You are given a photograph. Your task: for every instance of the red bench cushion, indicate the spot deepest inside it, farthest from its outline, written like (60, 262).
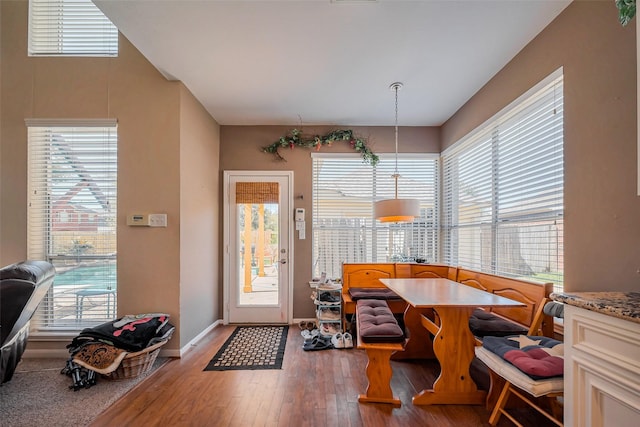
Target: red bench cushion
(538, 357)
(376, 322)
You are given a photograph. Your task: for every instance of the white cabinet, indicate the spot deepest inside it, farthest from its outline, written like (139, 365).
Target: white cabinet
(602, 370)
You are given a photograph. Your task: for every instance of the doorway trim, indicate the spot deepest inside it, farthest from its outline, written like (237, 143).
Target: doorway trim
(226, 256)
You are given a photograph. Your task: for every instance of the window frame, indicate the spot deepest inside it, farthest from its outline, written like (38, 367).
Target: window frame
(376, 241)
(495, 218)
(60, 28)
(95, 185)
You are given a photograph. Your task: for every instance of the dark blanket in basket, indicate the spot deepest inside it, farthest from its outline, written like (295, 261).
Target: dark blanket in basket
(130, 333)
(103, 347)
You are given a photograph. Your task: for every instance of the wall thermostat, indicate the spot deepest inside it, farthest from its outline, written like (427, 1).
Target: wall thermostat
(147, 220)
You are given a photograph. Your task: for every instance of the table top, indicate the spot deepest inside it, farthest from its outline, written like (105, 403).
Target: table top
(426, 293)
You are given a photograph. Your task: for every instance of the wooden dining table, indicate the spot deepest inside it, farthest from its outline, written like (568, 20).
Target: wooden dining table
(442, 307)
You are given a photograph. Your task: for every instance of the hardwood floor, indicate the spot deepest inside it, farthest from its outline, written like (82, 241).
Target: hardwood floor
(312, 389)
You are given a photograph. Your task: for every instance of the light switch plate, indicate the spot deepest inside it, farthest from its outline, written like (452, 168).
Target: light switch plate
(157, 220)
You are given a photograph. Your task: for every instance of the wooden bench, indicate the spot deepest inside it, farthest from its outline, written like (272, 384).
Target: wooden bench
(532, 294)
(368, 275)
(372, 315)
(530, 317)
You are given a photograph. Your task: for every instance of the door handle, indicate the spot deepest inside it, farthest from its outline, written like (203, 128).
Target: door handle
(283, 261)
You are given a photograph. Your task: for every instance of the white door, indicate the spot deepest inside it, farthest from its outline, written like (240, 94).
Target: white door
(257, 238)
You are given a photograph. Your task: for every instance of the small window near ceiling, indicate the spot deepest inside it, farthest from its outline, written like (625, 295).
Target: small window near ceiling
(70, 28)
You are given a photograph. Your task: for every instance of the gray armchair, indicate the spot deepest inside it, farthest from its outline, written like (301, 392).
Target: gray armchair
(22, 287)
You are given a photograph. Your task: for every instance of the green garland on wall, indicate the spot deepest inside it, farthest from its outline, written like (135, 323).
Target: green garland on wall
(296, 139)
(626, 11)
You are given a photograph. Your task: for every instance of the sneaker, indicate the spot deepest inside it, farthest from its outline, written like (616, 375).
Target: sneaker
(329, 329)
(328, 313)
(307, 334)
(329, 299)
(317, 343)
(329, 286)
(348, 340)
(337, 340)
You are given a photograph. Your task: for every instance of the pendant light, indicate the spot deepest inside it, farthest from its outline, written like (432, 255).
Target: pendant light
(396, 210)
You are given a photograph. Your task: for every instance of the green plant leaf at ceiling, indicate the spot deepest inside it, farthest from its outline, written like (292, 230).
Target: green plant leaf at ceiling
(626, 10)
(295, 138)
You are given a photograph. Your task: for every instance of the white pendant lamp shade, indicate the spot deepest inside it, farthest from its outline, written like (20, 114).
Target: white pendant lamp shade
(396, 210)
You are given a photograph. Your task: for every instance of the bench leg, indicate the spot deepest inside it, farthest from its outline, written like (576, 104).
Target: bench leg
(379, 375)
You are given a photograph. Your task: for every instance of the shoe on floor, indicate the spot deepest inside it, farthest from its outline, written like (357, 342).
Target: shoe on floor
(337, 340)
(317, 343)
(307, 334)
(348, 340)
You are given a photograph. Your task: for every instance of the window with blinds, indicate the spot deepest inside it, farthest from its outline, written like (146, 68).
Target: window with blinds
(503, 209)
(344, 228)
(70, 28)
(72, 169)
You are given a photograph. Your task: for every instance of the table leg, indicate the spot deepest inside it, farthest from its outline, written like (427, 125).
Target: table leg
(419, 344)
(453, 345)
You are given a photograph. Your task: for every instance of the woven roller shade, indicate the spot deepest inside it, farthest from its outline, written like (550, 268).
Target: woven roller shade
(257, 192)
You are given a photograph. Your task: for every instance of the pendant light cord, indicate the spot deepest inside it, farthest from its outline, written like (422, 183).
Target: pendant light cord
(396, 86)
(396, 89)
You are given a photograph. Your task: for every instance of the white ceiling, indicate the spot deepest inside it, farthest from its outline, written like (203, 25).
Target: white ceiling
(331, 61)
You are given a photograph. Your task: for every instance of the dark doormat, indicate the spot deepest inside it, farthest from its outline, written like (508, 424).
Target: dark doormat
(251, 347)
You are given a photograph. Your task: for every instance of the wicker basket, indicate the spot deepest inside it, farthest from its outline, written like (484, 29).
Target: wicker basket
(137, 363)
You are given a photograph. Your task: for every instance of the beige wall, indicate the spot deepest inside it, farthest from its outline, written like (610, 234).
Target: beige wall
(158, 122)
(168, 158)
(199, 220)
(602, 210)
(240, 149)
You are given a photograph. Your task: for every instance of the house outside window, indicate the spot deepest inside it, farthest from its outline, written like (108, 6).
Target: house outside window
(72, 206)
(70, 28)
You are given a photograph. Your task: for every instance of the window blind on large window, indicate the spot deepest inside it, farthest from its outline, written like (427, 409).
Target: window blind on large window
(503, 185)
(344, 228)
(72, 219)
(70, 28)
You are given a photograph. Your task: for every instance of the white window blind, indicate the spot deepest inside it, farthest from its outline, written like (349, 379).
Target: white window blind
(503, 193)
(72, 219)
(344, 229)
(70, 28)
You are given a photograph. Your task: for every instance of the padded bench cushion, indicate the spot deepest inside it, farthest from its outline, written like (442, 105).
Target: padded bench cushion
(538, 357)
(483, 323)
(377, 323)
(372, 293)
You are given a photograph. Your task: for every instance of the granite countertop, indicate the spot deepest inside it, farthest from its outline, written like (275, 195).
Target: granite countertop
(625, 305)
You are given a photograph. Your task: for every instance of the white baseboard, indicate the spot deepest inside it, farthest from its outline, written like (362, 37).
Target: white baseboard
(179, 353)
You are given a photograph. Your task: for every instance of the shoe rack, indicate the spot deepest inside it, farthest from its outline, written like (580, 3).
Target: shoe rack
(328, 301)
